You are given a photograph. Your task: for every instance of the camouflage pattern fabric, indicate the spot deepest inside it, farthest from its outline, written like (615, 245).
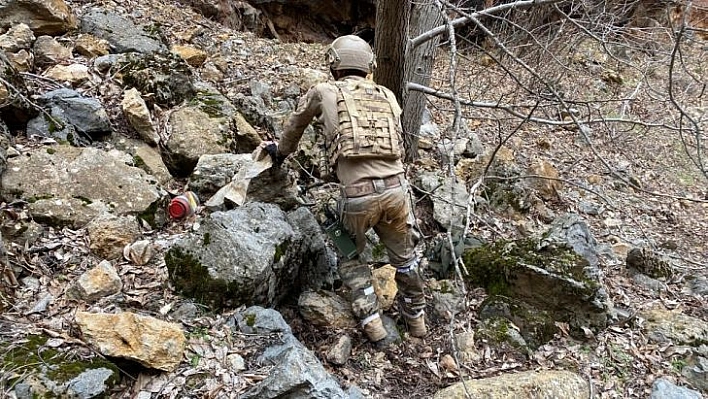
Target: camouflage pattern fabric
(390, 215)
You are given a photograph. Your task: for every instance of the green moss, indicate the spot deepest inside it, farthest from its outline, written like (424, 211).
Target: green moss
(492, 265)
(192, 278)
(51, 150)
(139, 163)
(536, 326)
(250, 319)
(378, 251)
(33, 356)
(210, 103)
(68, 370)
(280, 251)
(206, 239)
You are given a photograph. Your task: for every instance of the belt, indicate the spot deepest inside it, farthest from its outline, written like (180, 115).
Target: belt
(371, 186)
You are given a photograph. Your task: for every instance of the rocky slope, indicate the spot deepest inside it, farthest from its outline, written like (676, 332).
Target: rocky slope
(572, 283)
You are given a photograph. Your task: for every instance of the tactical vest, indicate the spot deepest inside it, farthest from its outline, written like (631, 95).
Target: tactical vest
(368, 125)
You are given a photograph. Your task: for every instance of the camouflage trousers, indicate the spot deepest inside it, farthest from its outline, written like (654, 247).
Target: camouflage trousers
(390, 214)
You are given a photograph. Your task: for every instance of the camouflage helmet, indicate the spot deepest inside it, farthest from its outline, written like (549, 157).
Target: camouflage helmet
(350, 52)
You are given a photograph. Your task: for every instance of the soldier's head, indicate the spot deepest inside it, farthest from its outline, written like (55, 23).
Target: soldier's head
(350, 55)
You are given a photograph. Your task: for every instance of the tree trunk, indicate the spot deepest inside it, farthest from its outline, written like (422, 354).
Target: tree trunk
(418, 68)
(392, 18)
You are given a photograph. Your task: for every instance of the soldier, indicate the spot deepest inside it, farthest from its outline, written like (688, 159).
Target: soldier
(362, 132)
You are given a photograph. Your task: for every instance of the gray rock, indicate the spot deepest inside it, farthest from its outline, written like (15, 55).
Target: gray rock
(259, 320)
(23, 390)
(262, 90)
(214, 171)
(590, 208)
(340, 352)
(536, 326)
(186, 312)
(242, 256)
(355, 393)
(317, 260)
(89, 384)
(88, 174)
(66, 212)
(697, 374)
(665, 389)
(666, 326)
(449, 199)
(555, 273)
(165, 77)
(649, 283)
(570, 230)
(499, 331)
(74, 118)
(428, 128)
(122, 34)
(195, 133)
(298, 375)
(698, 285)
(447, 301)
(105, 63)
(647, 261)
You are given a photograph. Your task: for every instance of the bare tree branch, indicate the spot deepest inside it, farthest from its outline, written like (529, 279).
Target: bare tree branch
(466, 19)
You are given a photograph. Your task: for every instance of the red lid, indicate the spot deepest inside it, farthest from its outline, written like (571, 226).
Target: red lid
(178, 208)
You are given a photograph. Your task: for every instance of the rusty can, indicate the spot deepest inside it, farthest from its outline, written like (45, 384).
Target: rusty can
(183, 205)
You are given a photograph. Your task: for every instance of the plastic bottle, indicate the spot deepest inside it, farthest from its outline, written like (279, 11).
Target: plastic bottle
(183, 205)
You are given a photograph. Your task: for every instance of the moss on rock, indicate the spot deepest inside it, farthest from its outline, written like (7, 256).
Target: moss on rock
(493, 266)
(192, 278)
(33, 357)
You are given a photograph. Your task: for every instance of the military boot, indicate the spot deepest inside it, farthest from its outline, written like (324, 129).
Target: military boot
(416, 326)
(375, 330)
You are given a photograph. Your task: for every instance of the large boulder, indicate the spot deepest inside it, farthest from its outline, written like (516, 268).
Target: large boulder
(242, 256)
(195, 133)
(122, 34)
(86, 174)
(165, 78)
(151, 342)
(528, 384)
(71, 118)
(675, 327)
(556, 274)
(297, 374)
(255, 254)
(44, 17)
(294, 371)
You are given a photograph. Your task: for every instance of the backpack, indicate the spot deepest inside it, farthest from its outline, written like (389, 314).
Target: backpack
(369, 125)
